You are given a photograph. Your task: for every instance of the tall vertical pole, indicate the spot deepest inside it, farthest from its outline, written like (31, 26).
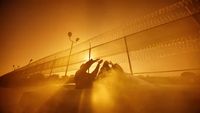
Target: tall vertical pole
(128, 55)
(72, 42)
(69, 58)
(89, 54)
(89, 50)
(52, 67)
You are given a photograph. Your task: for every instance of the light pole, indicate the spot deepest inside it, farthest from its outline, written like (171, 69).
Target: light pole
(72, 42)
(14, 67)
(30, 61)
(28, 65)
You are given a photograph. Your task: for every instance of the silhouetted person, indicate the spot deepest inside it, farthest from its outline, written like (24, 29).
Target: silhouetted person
(106, 66)
(82, 78)
(104, 69)
(117, 68)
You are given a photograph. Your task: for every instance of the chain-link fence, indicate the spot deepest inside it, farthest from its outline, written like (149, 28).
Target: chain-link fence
(167, 40)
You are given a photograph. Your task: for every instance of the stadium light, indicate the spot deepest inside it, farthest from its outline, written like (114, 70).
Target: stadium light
(72, 43)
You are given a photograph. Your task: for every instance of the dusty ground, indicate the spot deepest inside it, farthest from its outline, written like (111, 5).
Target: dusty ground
(112, 95)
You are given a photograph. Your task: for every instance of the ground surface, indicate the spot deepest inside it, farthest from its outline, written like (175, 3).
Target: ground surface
(107, 96)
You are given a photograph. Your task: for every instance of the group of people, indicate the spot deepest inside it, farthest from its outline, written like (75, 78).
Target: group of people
(84, 79)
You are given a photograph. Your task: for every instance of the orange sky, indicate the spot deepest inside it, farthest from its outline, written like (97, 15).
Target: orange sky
(32, 29)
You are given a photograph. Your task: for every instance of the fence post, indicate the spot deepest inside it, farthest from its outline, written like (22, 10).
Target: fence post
(89, 54)
(127, 52)
(52, 67)
(89, 50)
